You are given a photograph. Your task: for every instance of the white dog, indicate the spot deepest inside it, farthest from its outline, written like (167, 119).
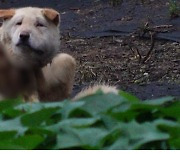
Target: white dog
(30, 39)
(29, 44)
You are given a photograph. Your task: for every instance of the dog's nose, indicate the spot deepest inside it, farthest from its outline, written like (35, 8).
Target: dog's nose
(24, 36)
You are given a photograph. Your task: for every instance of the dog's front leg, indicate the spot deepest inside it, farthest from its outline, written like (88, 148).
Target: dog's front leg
(29, 82)
(57, 78)
(31, 97)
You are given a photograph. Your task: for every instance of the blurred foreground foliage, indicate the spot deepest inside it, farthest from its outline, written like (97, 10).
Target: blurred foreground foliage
(100, 121)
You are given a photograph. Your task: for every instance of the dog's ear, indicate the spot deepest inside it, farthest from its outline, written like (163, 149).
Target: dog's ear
(52, 15)
(6, 14)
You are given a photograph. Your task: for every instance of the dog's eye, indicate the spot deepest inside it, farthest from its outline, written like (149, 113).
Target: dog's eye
(19, 23)
(40, 25)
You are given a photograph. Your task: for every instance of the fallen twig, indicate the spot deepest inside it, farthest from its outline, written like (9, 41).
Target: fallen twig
(141, 32)
(151, 48)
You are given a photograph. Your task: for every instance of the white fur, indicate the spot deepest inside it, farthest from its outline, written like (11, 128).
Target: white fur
(93, 89)
(44, 38)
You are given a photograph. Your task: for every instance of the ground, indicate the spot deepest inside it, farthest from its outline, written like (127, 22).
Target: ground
(105, 60)
(103, 57)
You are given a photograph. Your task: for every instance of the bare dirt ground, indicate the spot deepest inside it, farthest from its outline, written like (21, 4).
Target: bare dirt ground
(106, 60)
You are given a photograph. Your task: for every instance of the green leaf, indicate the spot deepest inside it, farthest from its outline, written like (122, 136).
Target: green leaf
(74, 122)
(172, 111)
(30, 107)
(159, 101)
(128, 97)
(71, 137)
(38, 118)
(27, 142)
(99, 121)
(69, 108)
(99, 103)
(5, 135)
(175, 143)
(10, 145)
(12, 113)
(67, 140)
(12, 125)
(9, 103)
(173, 129)
(136, 135)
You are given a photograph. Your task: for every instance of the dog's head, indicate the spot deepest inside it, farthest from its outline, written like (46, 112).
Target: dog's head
(32, 34)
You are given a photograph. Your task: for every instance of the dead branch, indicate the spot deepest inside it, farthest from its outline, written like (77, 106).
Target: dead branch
(151, 48)
(140, 33)
(136, 52)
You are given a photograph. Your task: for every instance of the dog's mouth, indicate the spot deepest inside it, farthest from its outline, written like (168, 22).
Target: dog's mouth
(29, 47)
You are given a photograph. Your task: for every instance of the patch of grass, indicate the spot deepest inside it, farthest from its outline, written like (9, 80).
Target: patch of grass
(99, 121)
(174, 9)
(116, 2)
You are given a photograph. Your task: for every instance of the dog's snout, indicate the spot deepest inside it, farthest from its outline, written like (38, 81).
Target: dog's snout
(24, 36)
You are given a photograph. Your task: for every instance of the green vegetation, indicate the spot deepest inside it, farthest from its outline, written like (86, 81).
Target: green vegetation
(116, 2)
(95, 122)
(174, 9)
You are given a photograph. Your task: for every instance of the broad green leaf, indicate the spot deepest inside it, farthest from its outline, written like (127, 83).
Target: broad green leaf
(55, 104)
(71, 137)
(30, 107)
(74, 122)
(175, 143)
(10, 145)
(39, 131)
(136, 135)
(12, 113)
(129, 97)
(172, 111)
(9, 103)
(67, 141)
(124, 116)
(99, 103)
(27, 142)
(173, 129)
(159, 101)
(12, 125)
(109, 122)
(120, 144)
(5, 135)
(123, 112)
(38, 118)
(70, 107)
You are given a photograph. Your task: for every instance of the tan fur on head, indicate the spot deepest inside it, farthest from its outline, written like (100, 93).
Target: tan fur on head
(52, 15)
(93, 89)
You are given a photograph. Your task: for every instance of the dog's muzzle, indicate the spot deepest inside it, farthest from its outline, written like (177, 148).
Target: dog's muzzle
(24, 38)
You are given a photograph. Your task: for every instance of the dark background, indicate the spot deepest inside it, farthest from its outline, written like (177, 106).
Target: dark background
(105, 20)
